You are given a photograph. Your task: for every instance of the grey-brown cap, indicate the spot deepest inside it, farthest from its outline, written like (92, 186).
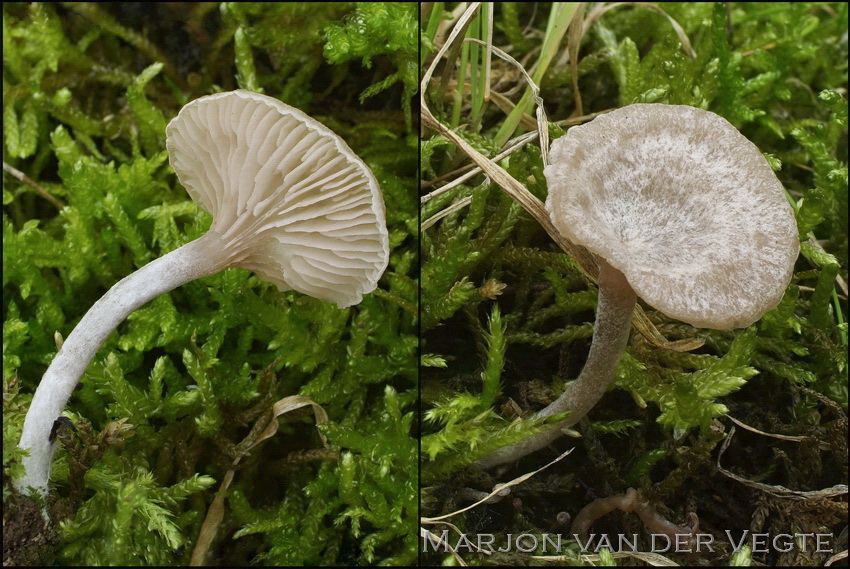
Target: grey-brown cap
(292, 200)
(683, 205)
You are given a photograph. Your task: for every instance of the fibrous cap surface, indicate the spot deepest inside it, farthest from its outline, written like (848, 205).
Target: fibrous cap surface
(683, 204)
(296, 205)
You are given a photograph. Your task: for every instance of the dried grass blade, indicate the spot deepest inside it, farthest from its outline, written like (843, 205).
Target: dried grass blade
(777, 490)
(496, 490)
(683, 37)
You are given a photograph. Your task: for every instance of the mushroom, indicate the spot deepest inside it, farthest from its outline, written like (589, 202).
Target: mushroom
(683, 211)
(289, 200)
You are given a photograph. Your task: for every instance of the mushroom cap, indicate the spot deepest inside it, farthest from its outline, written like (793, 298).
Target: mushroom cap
(683, 205)
(291, 200)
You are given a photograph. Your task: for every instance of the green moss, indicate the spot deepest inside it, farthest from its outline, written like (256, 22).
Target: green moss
(779, 74)
(88, 90)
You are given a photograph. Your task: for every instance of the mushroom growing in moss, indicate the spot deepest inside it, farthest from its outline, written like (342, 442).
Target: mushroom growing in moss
(682, 211)
(289, 200)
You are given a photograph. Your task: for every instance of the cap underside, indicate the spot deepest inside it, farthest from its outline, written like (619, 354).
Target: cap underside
(298, 207)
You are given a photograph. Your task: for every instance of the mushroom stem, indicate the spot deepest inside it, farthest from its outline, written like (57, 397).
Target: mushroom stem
(610, 334)
(204, 256)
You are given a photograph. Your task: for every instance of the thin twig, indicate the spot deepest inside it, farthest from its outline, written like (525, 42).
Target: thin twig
(28, 181)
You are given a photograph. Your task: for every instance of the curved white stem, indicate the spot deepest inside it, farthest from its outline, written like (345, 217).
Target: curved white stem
(204, 256)
(610, 334)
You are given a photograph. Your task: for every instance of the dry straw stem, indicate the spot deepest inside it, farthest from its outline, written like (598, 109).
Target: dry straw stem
(457, 206)
(776, 490)
(520, 193)
(499, 488)
(797, 439)
(602, 7)
(265, 427)
(464, 173)
(438, 541)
